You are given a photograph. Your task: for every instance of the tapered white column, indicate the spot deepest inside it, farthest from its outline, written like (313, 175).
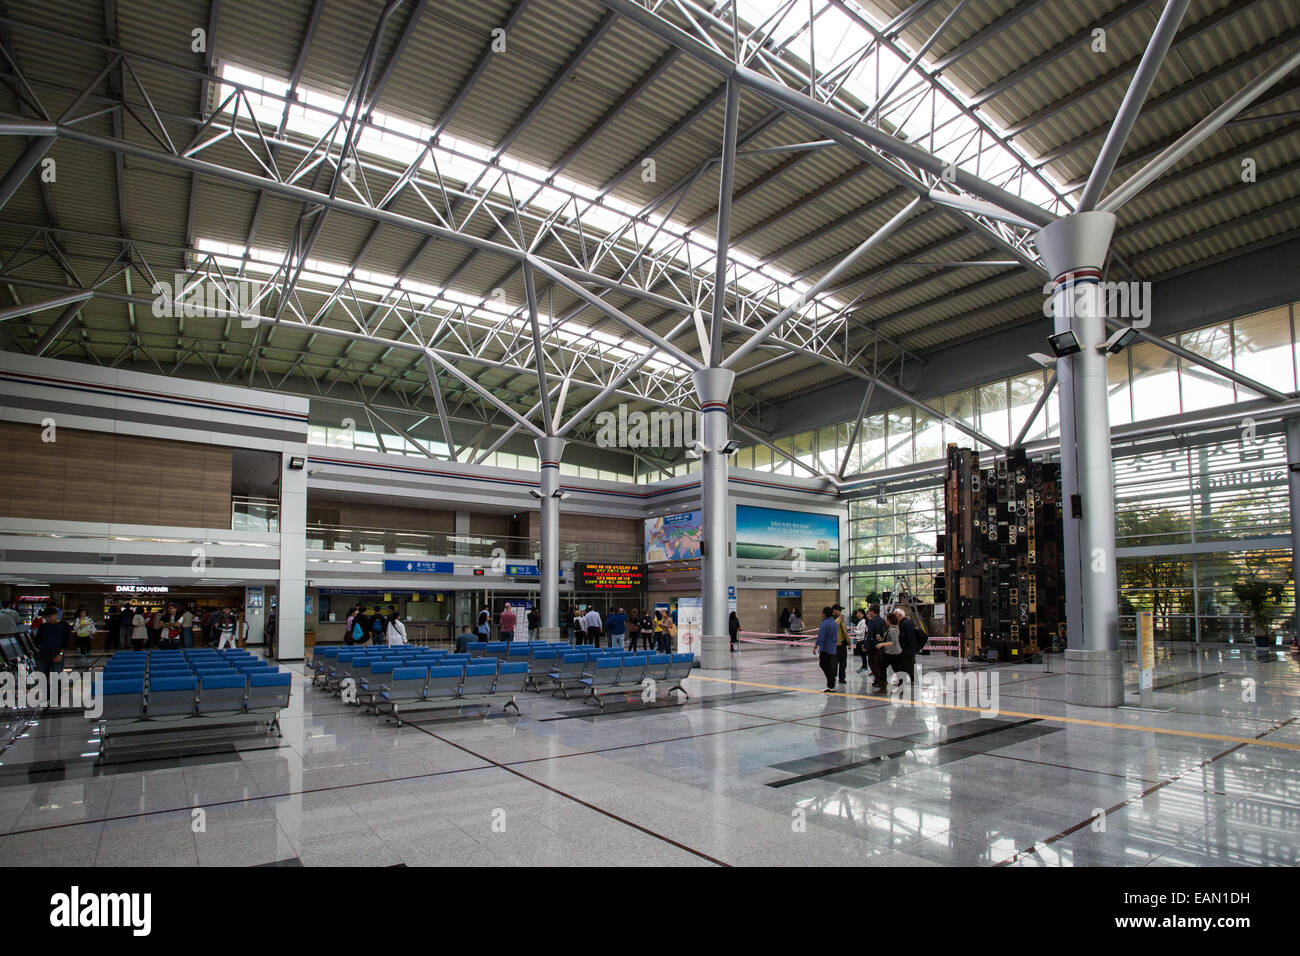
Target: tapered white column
(1293, 486)
(549, 452)
(290, 617)
(713, 388)
(1074, 249)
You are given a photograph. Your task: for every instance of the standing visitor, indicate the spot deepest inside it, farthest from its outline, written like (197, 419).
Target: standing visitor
(860, 638)
(484, 628)
(84, 628)
(534, 623)
(842, 643)
(396, 630)
(796, 621)
(783, 622)
(733, 628)
(616, 625)
(506, 624)
(646, 629)
(876, 627)
(828, 636)
(187, 626)
(224, 627)
(347, 625)
(139, 632)
(593, 622)
(10, 623)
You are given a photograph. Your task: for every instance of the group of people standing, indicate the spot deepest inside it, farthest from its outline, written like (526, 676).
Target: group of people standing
(881, 643)
(366, 624)
(174, 626)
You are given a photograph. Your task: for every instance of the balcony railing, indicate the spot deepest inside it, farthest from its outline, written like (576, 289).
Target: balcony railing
(395, 541)
(254, 514)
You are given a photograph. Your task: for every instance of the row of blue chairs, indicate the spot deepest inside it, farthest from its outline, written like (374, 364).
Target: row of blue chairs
(598, 673)
(331, 666)
(131, 698)
(419, 687)
(155, 688)
(402, 688)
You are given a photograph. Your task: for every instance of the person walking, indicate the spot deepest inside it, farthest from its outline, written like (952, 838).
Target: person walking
(616, 627)
(347, 625)
(733, 628)
(842, 643)
(796, 621)
(828, 635)
(593, 622)
(899, 650)
(51, 640)
(506, 624)
(783, 622)
(84, 628)
(534, 623)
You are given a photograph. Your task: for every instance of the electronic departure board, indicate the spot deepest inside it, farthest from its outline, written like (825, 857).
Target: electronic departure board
(608, 577)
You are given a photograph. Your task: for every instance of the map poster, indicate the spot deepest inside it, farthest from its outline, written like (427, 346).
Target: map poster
(673, 537)
(772, 534)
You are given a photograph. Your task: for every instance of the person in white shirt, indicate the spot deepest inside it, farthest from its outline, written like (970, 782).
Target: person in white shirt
(395, 632)
(592, 620)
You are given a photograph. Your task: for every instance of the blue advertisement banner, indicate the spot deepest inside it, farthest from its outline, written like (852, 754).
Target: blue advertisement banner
(773, 534)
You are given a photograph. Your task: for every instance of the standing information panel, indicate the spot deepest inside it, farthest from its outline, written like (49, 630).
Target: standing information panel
(690, 625)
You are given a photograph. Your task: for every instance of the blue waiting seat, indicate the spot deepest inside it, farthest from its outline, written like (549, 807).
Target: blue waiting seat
(602, 674)
(123, 698)
(569, 672)
(221, 694)
(407, 685)
(171, 697)
(268, 693)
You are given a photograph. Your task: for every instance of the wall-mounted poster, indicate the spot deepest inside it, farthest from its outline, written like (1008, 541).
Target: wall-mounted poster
(673, 537)
(772, 534)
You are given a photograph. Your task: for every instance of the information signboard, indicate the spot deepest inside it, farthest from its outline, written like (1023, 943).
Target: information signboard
(608, 577)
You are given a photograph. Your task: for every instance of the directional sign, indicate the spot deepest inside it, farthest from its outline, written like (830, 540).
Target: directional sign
(404, 566)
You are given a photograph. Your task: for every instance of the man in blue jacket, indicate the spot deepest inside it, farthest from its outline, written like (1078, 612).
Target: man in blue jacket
(828, 636)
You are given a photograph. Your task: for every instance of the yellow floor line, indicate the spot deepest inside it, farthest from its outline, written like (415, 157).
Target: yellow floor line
(1083, 722)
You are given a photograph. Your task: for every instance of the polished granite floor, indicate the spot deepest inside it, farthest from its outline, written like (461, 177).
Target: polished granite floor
(759, 767)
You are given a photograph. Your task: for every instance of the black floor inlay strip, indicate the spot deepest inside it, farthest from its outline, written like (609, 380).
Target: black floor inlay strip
(292, 861)
(840, 761)
(1186, 685)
